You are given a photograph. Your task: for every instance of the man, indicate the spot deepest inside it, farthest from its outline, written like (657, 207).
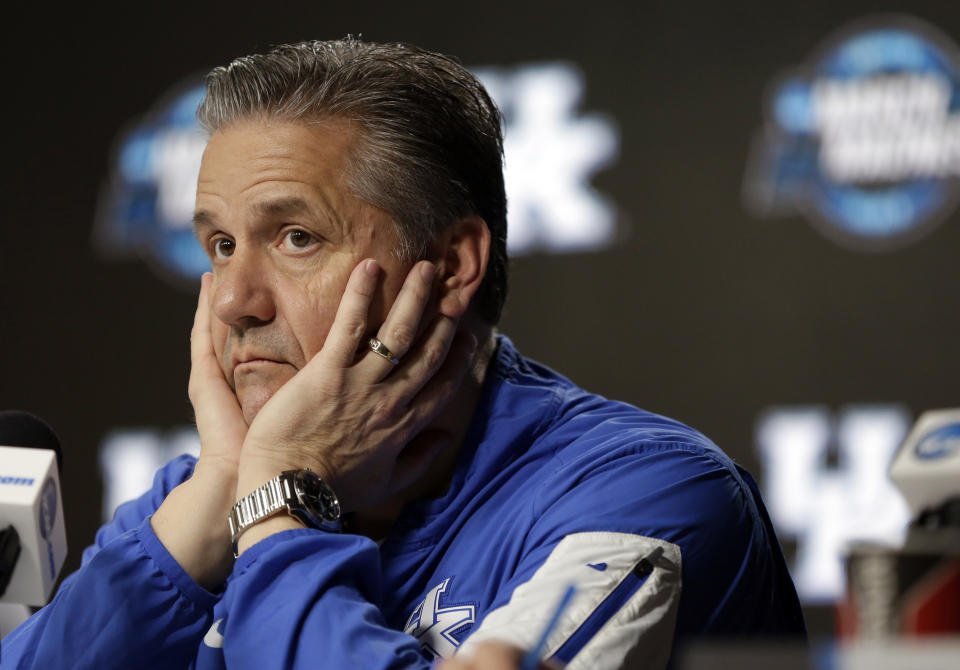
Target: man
(351, 201)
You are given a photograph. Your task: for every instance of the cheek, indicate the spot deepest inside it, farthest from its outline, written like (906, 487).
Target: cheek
(311, 312)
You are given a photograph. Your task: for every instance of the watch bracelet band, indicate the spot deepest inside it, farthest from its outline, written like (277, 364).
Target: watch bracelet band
(301, 493)
(262, 502)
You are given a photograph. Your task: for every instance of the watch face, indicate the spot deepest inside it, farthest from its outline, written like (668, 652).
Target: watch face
(317, 496)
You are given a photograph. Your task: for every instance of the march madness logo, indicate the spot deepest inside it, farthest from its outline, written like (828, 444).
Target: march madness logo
(864, 139)
(146, 207)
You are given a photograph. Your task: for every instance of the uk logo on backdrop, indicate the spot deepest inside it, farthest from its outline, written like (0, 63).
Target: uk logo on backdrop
(864, 138)
(827, 487)
(552, 150)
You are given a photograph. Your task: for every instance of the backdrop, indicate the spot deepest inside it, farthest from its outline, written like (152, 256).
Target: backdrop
(701, 303)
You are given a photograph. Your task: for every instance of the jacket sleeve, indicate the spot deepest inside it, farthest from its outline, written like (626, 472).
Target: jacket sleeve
(129, 605)
(308, 599)
(657, 542)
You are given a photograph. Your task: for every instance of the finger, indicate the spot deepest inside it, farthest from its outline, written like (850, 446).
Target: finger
(400, 328)
(454, 663)
(216, 411)
(497, 656)
(437, 391)
(426, 358)
(200, 333)
(350, 323)
(203, 360)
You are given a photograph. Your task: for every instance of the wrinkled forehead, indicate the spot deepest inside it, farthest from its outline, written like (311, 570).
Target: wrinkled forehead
(245, 154)
(261, 173)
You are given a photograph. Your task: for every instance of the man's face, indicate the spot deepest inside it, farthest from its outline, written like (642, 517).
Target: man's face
(283, 232)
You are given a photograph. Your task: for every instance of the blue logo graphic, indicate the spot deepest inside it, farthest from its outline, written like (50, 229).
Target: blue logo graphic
(865, 139)
(16, 481)
(48, 508)
(440, 628)
(146, 207)
(48, 516)
(941, 443)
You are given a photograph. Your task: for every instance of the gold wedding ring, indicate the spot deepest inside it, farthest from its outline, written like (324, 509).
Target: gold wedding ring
(380, 349)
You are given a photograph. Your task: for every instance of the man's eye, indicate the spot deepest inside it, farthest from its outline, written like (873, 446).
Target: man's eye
(298, 239)
(223, 248)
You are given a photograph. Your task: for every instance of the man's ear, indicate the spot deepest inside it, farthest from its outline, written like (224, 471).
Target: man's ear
(461, 252)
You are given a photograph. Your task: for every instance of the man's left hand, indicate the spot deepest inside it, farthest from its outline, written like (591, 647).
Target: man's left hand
(349, 416)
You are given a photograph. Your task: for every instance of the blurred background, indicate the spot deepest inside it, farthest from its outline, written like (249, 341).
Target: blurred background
(742, 216)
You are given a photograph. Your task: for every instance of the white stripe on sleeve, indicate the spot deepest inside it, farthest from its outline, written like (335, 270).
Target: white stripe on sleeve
(623, 608)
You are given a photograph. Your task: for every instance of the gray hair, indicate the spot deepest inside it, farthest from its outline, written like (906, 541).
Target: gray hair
(431, 147)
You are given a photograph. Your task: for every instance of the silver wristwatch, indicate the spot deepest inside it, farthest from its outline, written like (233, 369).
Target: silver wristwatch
(300, 493)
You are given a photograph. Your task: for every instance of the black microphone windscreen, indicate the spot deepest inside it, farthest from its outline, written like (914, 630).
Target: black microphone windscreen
(22, 429)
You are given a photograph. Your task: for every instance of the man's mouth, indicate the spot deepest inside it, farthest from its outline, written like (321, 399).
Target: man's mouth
(250, 361)
(254, 363)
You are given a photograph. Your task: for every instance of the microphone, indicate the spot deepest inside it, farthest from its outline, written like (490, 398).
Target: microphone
(912, 590)
(33, 540)
(926, 469)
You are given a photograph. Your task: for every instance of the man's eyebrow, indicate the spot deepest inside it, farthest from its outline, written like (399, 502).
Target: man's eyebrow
(290, 206)
(202, 219)
(276, 208)
(280, 207)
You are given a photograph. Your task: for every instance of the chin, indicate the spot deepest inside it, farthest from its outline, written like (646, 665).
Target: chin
(252, 401)
(256, 384)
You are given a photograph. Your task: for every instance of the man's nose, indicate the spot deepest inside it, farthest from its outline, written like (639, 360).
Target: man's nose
(242, 293)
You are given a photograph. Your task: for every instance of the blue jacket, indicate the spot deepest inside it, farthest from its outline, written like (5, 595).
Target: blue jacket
(661, 534)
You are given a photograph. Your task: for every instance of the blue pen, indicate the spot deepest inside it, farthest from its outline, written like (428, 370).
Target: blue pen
(532, 658)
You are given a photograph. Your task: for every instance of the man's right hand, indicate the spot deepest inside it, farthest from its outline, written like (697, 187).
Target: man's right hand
(191, 522)
(492, 655)
(219, 418)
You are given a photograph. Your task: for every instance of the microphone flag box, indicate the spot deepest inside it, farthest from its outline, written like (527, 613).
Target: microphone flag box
(30, 501)
(926, 469)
